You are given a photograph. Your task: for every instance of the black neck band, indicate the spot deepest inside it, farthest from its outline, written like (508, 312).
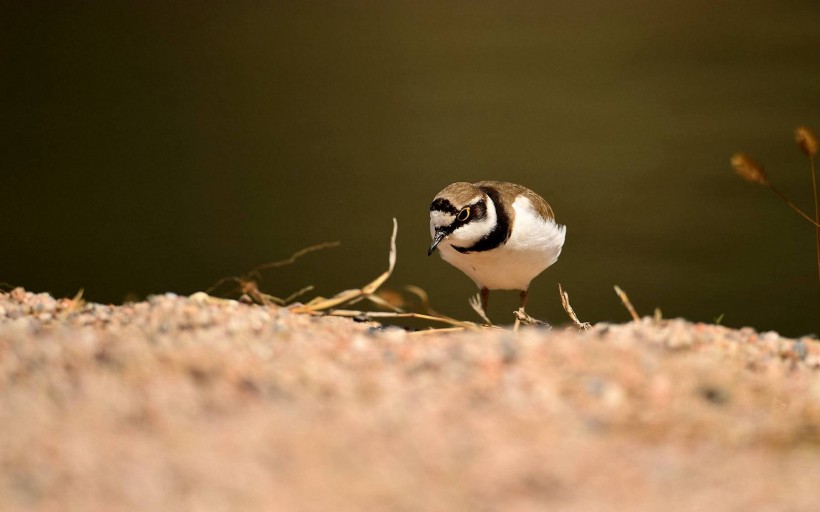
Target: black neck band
(500, 233)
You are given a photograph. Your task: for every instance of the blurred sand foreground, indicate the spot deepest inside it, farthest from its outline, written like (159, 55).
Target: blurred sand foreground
(182, 404)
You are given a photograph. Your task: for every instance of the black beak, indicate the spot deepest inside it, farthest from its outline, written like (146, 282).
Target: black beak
(440, 234)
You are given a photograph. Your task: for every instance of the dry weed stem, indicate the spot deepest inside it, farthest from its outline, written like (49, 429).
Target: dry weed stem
(808, 143)
(475, 303)
(627, 303)
(571, 312)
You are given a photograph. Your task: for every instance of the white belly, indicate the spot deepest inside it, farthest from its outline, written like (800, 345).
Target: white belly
(534, 245)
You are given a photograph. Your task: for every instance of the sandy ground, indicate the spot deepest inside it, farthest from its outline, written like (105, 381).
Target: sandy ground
(187, 404)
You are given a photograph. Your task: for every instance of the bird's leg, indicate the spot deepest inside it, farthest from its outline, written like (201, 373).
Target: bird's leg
(485, 298)
(523, 303)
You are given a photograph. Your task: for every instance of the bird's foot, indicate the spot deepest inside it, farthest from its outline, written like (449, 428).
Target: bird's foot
(521, 317)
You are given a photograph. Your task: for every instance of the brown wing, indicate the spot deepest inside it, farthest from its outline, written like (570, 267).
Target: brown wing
(509, 191)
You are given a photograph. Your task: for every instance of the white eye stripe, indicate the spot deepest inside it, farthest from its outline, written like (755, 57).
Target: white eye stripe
(438, 218)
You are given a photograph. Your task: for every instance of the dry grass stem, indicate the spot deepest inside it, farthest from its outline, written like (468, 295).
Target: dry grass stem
(319, 306)
(322, 304)
(627, 303)
(425, 305)
(295, 256)
(379, 301)
(293, 296)
(658, 316)
(249, 291)
(429, 332)
(77, 302)
(808, 143)
(816, 212)
(571, 312)
(475, 303)
(247, 284)
(751, 171)
(367, 315)
(793, 206)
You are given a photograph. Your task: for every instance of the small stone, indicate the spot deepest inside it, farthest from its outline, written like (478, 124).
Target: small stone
(714, 394)
(18, 294)
(199, 297)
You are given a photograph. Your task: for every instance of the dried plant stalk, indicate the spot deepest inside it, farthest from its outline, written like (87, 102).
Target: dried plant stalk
(322, 304)
(328, 306)
(475, 303)
(379, 301)
(298, 293)
(816, 212)
(627, 303)
(248, 285)
(426, 307)
(429, 332)
(293, 257)
(751, 171)
(571, 312)
(808, 144)
(349, 313)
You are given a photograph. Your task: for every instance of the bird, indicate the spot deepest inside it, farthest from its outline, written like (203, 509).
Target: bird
(501, 235)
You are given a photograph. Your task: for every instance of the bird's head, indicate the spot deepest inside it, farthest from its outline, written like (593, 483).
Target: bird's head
(461, 214)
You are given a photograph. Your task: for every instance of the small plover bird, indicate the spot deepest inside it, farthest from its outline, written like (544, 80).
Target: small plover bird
(500, 234)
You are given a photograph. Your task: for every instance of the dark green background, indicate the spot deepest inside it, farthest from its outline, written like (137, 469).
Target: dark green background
(150, 147)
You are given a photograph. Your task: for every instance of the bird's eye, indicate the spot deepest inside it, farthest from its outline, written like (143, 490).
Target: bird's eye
(464, 214)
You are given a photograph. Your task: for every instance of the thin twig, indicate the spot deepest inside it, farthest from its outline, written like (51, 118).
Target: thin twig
(571, 312)
(475, 303)
(377, 300)
(322, 304)
(816, 213)
(297, 293)
(426, 307)
(793, 206)
(293, 257)
(348, 313)
(219, 283)
(248, 285)
(627, 303)
(443, 330)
